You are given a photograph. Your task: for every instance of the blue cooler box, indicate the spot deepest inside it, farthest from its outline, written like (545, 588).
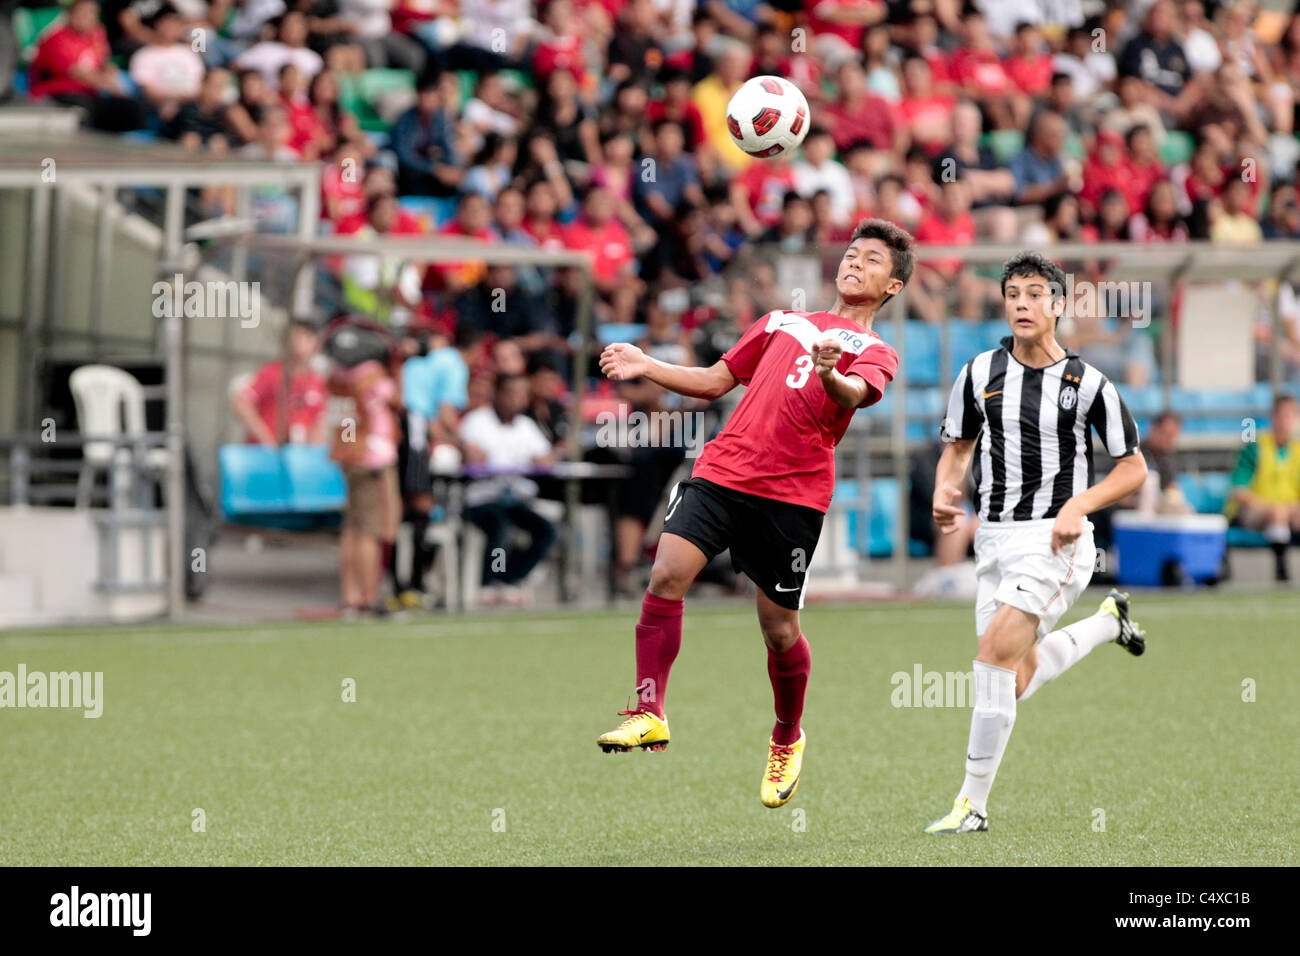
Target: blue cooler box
(1145, 543)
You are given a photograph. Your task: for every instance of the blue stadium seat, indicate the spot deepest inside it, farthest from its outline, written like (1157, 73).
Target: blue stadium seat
(1244, 538)
(314, 484)
(921, 352)
(619, 332)
(1143, 401)
(884, 513)
(967, 341)
(252, 481)
(993, 332)
(1205, 492)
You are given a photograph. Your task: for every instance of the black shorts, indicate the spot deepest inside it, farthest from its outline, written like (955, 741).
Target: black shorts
(413, 471)
(770, 541)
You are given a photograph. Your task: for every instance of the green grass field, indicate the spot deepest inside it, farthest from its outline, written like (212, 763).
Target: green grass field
(460, 724)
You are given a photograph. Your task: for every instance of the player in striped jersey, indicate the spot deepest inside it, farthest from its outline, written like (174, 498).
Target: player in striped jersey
(1023, 414)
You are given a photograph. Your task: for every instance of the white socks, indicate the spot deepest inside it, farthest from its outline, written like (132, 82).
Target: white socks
(1062, 649)
(990, 729)
(1278, 533)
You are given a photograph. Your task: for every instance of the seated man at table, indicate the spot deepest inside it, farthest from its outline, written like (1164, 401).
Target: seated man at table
(1265, 492)
(501, 436)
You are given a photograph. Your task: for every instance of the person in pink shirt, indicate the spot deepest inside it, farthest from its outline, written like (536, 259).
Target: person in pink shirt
(365, 446)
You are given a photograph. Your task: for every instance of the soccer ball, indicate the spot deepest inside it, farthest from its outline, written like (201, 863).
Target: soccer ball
(768, 116)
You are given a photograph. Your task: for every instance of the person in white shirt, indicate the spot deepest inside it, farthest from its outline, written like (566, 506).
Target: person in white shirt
(371, 25)
(502, 436)
(818, 170)
(167, 70)
(289, 46)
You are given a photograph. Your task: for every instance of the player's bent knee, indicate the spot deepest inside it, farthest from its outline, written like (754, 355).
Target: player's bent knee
(780, 636)
(668, 582)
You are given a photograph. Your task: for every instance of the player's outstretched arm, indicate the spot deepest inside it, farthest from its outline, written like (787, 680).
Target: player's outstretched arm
(621, 362)
(949, 479)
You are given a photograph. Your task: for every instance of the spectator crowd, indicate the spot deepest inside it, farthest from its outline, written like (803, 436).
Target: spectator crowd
(599, 126)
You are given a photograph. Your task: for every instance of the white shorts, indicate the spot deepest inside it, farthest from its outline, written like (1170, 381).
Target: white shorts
(1015, 564)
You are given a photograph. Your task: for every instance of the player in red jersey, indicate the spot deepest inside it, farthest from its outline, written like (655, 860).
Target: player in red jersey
(762, 486)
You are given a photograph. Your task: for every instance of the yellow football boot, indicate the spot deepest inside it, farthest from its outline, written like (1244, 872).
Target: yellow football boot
(781, 778)
(641, 729)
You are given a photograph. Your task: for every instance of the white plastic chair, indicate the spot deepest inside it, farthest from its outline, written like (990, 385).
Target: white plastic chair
(110, 405)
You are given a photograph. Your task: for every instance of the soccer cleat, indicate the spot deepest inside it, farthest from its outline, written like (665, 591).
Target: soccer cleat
(963, 818)
(1131, 636)
(781, 778)
(641, 729)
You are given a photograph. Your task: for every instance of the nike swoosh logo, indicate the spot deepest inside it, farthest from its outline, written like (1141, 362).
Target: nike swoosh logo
(647, 733)
(779, 588)
(991, 394)
(969, 757)
(1019, 588)
(789, 790)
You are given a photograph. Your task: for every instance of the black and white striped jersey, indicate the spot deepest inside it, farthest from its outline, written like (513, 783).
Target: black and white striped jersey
(1034, 452)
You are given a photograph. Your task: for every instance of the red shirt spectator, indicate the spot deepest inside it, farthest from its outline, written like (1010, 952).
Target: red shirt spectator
(765, 186)
(818, 12)
(980, 72)
(60, 53)
(307, 394)
(607, 243)
(1103, 170)
(934, 230)
(1032, 73)
(921, 113)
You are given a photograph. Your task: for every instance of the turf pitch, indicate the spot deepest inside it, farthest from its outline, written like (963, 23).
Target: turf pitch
(472, 741)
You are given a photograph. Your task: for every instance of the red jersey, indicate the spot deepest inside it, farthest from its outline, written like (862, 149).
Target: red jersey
(307, 392)
(780, 441)
(59, 53)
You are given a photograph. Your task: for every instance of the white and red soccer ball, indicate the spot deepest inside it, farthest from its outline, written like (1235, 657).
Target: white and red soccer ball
(768, 116)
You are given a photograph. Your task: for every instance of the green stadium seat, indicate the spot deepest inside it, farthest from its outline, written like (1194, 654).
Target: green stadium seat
(1005, 143)
(361, 94)
(29, 24)
(1177, 147)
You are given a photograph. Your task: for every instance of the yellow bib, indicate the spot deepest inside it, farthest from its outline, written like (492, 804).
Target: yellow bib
(1277, 478)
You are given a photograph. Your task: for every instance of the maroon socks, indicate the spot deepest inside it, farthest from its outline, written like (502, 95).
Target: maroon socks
(789, 671)
(658, 639)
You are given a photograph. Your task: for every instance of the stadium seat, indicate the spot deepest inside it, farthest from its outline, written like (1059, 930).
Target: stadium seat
(29, 24)
(313, 483)
(966, 340)
(1005, 143)
(433, 210)
(252, 481)
(1143, 401)
(366, 94)
(1177, 147)
(992, 333)
(1205, 492)
(619, 332)
(921, 352)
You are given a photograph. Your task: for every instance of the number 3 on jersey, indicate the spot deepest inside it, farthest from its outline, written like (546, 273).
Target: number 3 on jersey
(802, 368)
